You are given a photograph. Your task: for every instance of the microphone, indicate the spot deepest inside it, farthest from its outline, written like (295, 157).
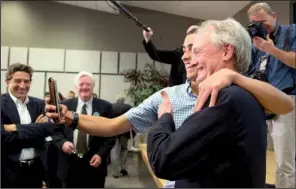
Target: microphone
(129, 15)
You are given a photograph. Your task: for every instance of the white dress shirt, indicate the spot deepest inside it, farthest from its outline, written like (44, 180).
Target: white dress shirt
(25, 118)
(78, 110)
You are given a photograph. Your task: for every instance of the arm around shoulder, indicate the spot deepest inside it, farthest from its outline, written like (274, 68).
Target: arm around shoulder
(268, 96)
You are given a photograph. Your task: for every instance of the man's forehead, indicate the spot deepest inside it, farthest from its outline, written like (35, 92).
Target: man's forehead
(200, 39)
(20, 75)
(260, 15)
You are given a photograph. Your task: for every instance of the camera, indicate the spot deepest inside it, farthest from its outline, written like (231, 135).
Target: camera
(260, 75)
(257, 29)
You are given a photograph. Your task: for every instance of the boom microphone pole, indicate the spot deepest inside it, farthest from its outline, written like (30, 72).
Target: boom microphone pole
(129, 15)
(138, 23)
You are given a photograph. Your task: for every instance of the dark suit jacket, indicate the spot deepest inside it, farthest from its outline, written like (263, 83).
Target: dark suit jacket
(27, 135)
(221, 146)
(172, 57)
(97, 145)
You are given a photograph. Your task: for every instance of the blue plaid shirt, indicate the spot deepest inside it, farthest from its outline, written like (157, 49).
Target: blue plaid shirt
(145, 115)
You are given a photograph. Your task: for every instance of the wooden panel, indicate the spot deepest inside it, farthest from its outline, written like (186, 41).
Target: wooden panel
(4, 57)
(46, 59)
(109, 62)
(37, 85)
(3, 84)
(143, 59)
(18, 55)
(78, 60)
(127, 61)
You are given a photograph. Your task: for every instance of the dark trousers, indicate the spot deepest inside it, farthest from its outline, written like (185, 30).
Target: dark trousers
(82, 175)
(52, 180)
(26, 176)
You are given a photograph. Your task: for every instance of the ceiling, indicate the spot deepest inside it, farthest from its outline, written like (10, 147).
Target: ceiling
(94, 5)
(193, 9)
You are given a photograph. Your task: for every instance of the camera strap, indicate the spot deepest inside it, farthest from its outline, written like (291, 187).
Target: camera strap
(263, 63)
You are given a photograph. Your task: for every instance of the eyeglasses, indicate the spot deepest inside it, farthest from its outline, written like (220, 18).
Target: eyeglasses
(80, 155)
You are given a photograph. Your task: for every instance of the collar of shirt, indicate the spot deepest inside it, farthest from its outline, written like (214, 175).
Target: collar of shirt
(275, 32)
(18, 101)
(188, 88)
(88, 103)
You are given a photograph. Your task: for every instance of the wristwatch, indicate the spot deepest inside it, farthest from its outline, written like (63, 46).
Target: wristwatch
(74, 117)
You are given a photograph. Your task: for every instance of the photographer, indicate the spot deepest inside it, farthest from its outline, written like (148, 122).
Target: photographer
(273, 60)
(172, 57)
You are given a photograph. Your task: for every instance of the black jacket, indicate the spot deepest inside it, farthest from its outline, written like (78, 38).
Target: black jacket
(97, 145)
(27, 135)
(218, 147)
(172, 57)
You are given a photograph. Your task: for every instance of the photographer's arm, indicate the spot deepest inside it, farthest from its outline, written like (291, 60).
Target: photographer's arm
(289, 58)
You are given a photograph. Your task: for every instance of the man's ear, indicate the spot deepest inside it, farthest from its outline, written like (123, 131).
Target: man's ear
(6, 82)
(228, 52)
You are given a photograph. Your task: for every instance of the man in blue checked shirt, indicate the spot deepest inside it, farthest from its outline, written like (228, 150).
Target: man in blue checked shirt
(183, 98)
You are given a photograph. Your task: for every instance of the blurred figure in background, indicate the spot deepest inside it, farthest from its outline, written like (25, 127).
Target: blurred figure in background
(61, 97)
(119, 152)
(71, 94)
(95, 95)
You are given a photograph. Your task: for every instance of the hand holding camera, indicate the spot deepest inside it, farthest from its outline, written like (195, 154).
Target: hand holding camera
(260, 37)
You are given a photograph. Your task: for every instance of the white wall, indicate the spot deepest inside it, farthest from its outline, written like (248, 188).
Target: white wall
(64, 64)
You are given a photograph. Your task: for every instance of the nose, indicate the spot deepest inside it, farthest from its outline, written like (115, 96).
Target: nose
(22, 85)
(186, 57)
(193, 59)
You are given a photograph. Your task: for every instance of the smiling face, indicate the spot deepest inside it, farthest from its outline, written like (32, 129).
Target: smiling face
(84, 88)
(208, 57)
(187, 55)
(18, 84)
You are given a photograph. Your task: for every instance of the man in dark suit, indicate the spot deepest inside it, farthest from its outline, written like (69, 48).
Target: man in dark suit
(23, 131)
(172, 57)
(222, 145)
(83, 158)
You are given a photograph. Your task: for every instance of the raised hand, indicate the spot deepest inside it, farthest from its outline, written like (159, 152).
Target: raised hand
(165, 106)
(51, 112)
(147, 35)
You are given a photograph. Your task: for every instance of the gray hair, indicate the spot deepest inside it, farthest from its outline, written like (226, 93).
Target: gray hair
(258, 7)
(192, 29)
(120, 98)
(231, 32)
(81, 74)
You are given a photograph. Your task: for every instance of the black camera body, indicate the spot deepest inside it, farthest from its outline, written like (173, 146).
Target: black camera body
(259, 75)
(257, 29)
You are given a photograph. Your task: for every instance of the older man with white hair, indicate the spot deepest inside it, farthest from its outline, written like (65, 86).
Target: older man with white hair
(221, 146)
(83, 162)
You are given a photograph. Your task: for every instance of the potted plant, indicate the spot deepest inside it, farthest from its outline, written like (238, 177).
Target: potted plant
(144, 83)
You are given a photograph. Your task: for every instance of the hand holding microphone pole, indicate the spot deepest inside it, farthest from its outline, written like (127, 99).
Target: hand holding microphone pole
(147, 34)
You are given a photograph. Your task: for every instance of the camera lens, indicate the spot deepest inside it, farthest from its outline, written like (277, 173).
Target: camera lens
(253, 31)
